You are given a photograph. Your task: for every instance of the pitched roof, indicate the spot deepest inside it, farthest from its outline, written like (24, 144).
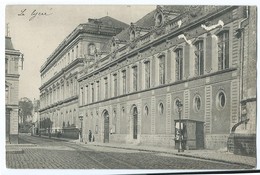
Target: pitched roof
(8, 43)
(175, 8)
(109, 21)
(147, 21)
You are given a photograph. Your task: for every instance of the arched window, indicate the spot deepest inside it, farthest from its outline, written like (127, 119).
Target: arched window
(146, 111)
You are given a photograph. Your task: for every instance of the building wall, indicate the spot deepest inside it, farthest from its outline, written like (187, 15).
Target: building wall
(12, 92)
(157, 128)
(60, 88)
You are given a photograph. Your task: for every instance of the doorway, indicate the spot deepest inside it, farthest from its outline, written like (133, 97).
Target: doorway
(106, 127)
(135, 123)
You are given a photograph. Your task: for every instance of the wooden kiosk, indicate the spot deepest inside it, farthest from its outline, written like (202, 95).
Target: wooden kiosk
(192, 133)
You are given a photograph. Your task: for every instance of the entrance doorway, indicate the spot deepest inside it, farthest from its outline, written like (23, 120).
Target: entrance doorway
(106, 127)
(135, 117)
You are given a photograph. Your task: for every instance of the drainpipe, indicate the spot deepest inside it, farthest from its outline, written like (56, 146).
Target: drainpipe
(242, 39)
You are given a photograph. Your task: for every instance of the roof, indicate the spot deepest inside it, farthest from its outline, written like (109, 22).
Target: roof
(109, 21)
(147, 21)
(124, 35)
(8, 43)
(175, 8)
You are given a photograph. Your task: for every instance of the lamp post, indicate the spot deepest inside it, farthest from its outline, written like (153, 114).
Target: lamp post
(179, 105)
(80, 134)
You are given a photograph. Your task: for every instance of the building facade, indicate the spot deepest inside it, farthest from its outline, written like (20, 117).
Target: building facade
(59, 91)
(128, 85)
(12, 57)
(190, 54)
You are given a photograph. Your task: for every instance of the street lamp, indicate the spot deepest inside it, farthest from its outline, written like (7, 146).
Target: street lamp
(80, 134)
(179, 105)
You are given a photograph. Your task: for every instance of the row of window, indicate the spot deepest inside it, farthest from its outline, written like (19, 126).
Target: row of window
(223, 57)
(220, 102)
(67, 59)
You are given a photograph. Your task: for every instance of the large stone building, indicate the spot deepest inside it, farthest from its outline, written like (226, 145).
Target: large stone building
(59, 90)
(12, 57)
(186, 54)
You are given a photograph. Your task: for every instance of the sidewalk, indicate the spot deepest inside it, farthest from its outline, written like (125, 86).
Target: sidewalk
(215, 155)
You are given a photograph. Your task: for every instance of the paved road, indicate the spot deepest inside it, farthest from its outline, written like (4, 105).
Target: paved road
(53, 154)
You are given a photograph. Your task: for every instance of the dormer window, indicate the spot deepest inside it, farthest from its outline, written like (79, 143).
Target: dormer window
(132, 35)
(159, 19)
(91, 49)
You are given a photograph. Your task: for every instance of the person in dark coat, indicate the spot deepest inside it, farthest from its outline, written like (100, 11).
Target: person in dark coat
(89, 136)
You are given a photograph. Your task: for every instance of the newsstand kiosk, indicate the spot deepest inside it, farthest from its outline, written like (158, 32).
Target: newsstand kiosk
(191, 134)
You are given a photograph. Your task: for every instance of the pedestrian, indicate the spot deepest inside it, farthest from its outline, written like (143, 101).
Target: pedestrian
(90, 136)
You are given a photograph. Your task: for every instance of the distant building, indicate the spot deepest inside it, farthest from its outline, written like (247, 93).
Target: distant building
(12, 57)
(59, 91)
(35, 117)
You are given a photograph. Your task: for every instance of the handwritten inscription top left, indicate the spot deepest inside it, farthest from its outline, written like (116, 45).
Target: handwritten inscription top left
(34, 13)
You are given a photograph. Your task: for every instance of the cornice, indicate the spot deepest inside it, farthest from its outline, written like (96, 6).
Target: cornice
(67, 100)
(75, 63)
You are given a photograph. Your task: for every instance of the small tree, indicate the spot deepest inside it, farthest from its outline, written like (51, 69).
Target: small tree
(25, 108)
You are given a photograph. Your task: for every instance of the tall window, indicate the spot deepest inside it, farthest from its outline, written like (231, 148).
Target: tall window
(92, 93)
(98, 91)
(179, 64)
(68, 58)
(82, 96)
(106, 88)
(115, 85)
(72, 55)
(223, 50)
(162, 69)
(199, 60)
(77, 51)
(147, 75)
(6, 65)
(86, 94)
(124, 81)
(135, 78)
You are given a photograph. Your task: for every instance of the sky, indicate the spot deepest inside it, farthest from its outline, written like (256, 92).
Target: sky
(38, 37)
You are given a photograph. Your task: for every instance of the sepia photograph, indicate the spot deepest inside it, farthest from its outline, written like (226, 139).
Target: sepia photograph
(131, 87)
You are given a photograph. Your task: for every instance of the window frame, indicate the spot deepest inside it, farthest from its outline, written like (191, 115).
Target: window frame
(223, 49)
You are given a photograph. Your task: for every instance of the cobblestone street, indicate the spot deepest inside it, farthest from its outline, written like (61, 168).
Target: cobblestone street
(53, 154)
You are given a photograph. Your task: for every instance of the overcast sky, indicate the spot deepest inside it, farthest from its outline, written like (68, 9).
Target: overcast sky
(37, 38)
